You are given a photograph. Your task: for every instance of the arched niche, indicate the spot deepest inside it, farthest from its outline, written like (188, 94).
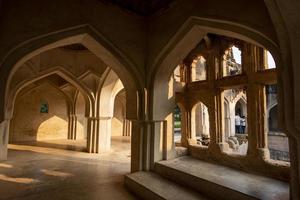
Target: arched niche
(59, 71)
(32, 121)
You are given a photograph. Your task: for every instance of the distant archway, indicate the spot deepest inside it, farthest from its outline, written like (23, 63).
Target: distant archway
(200, 124)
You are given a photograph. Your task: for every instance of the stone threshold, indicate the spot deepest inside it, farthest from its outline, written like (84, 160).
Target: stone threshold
(150, 186)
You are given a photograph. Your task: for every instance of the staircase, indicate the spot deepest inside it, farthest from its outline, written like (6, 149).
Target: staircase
(188, 178)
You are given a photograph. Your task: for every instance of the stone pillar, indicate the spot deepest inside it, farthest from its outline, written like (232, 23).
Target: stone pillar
(182, 73)
(72, 127)
(92, 134)
(232, 118)
(252, 57)
(158, 142)
(213, 116)
(256, 120)
(137, 145)
(98, 134)
(188, 77)
(4, 135)
(294, 148)
(104, 134)
(184, 128)
(219, 105)
(126, 127)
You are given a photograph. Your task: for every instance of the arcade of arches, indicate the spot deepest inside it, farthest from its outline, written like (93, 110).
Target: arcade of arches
(166, 100)
(47, 106)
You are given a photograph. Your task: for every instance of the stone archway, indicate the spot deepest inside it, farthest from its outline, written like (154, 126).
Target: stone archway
(97, 44)
(106, 96)
(191, 33)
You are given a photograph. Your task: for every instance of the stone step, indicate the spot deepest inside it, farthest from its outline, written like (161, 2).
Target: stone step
(220, 182)
(150, 186)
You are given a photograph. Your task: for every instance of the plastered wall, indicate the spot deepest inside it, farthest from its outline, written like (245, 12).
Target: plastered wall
(119, 114)
(28, 124)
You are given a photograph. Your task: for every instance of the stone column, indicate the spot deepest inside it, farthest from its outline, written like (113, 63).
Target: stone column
(158, 141)
(92, 134)
(188, 77)
(219, 116)
(182, 73)
(216, 108)
(126, 127)
(213, 119)
(4, 135)
(256, 119)
(98, 134)
(72, 127)
(137, 146)
(252, 57)
(104, 134)
(232, 118)
(185, 120)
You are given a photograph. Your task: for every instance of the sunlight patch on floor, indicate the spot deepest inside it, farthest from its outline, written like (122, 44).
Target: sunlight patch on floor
(18, 180)
(6, 165)
(56, 173)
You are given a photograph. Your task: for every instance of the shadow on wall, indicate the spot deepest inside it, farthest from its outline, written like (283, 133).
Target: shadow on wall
(32, 121)
(119, 114)
(81, 119)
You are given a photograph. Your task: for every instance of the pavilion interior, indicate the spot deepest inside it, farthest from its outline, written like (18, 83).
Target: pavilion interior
(173, 99)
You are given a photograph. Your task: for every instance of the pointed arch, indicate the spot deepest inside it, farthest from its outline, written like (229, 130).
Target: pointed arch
(58, 71)
(190, 34)
(85, 35)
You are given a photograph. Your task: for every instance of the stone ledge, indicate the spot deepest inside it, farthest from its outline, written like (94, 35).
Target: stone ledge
(221, 182)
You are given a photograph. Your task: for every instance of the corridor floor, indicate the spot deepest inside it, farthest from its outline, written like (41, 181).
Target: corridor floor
(39, 171)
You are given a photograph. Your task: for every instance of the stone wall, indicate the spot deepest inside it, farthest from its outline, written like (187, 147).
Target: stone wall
(29, 124)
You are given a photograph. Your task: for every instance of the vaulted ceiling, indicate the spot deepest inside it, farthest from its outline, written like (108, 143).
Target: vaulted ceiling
(141, 7)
